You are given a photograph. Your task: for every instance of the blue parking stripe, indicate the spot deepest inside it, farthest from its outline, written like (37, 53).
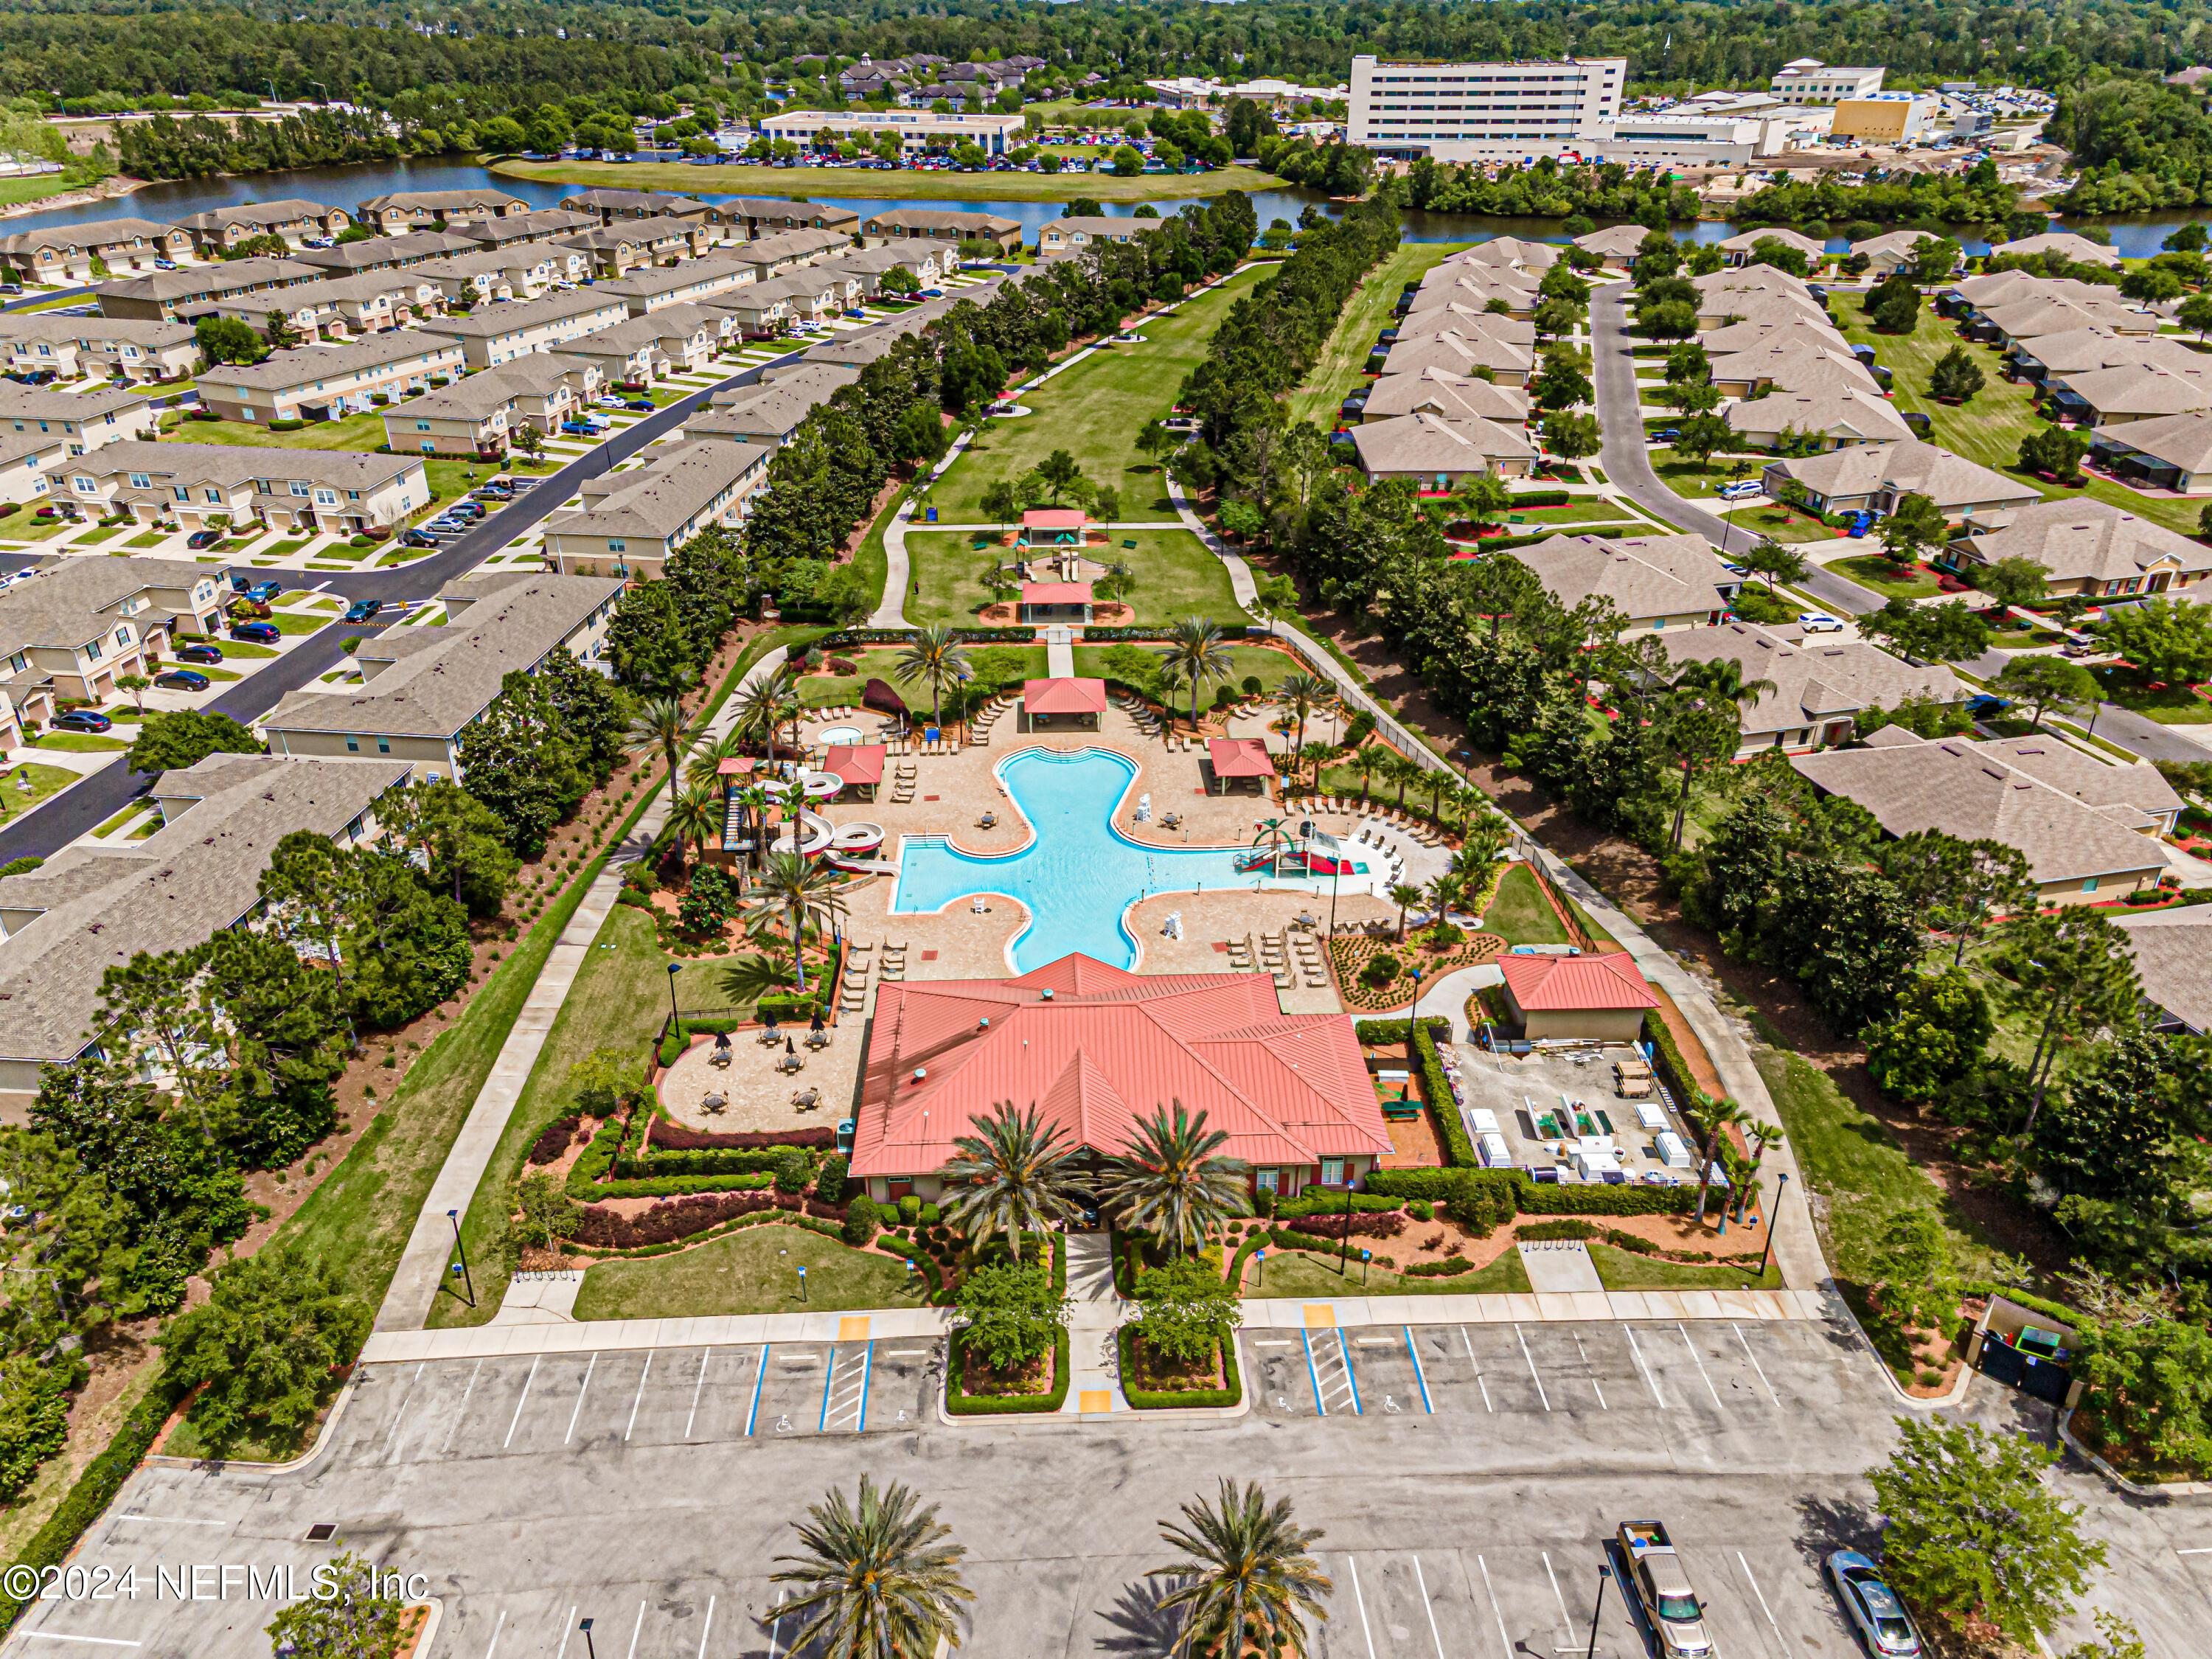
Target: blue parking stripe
(828, 1381)
(1350, 1376)
(867, 1369)
(1313, 1375)
(753, 1410)
(1419, 1376)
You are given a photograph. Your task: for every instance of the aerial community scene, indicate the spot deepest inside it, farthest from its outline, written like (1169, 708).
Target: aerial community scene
(1115, 827)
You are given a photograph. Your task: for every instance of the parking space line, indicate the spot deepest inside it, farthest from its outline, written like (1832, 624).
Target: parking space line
(1504, 1642)
(1761, 1595)
(1566, 1618)
(566, 1625)
(644, 1371)
(775, 1627)
(1755, 1366)
(447, 1442)
(1312, 1375)
(1531, 1358)
(1650, 1383)
(495, 1629)
(97, 1641)
(1699, 1363)
(1343, 1358)
(753, 1411)
(1592, 1369)
(705, 1354)
(1428, 1607)
(633, 1630)
(400, 1416)
(518, 1405)
(1359, 1596)
(1421, 1378)
(1467, 1342)
(708, 1629)
(582, 1388)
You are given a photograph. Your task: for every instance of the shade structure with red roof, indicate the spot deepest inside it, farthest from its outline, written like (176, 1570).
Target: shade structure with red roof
(861, 764)
(1051, 527)
(1076, 701)
(1094, 1049)
(1055, 602)
(1239, 757)
(1601, 996)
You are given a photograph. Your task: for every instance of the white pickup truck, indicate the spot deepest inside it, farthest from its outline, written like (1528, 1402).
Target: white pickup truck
(1662, 1586)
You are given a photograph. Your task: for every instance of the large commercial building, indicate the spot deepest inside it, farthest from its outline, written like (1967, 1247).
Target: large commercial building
(1809, 81)
(1480, 111)
(917, 129)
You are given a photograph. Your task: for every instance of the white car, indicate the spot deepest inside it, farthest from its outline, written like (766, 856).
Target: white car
(1819, 621)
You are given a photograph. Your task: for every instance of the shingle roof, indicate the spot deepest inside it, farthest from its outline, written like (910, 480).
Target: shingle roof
(256, 213)
(2137, 786)
(1613, 239)
(1507, 252)
(63, 605)
(516, 315)
(1908, 466)
(2174, 959)
(657, 501)
(2143, 389)
(1812, 247)
(1440, 392)
(1109, 1048)
(1814, 681)
(301, 364)
(1459, 350)
(2184, 440)
(1824, 409)
(2083, 538)
(2061, 241)
(1643, 575)
(230, 464)
(2084, 350)
(1435, 443)
(1560, 983)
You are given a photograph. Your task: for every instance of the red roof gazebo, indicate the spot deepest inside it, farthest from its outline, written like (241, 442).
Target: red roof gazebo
(1069, 699)
(1239, 757)
(1053, 526)
(1055, 602)
(861, 765)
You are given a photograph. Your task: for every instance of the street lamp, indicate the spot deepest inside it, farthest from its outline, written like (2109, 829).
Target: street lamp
(1604, 1574)
(674, 1017)
(1261, 1257)
(590, 1651)
(1773, 1214)
(802, 1284)
(468, 1282)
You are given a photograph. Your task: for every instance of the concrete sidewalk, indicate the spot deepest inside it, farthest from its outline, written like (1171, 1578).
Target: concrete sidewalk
(609, 1335)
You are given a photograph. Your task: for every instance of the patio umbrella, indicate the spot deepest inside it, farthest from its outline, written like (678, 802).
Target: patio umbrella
(815, 1024)
(788, 1047)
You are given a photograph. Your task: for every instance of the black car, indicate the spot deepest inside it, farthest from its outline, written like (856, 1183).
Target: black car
(199, 653)
(82, 719)
(362, 611)
(416, 538)
(200, 538)
(182, 679)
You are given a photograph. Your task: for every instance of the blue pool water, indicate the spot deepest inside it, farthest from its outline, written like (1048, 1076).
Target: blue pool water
(1079, 875)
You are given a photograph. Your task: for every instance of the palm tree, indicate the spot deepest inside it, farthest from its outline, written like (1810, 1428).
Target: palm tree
(705, 765)
(660, 723)
(1249, 1583)
(1719, 1117)
(747, 980)
(934, 658)
(696, 815)
(1444, 892)
(1722, 680)
(1402, 770)
(1196, 646)
(1439, 783)
(1011, 1175)
(879, 1581)
(1366, 761)
(1316, 755)
(1404, 894)
(1173, 678)
(1167, 1183)
(1764, 1137)
(801, 887)
(1302, 696)
(765, 706)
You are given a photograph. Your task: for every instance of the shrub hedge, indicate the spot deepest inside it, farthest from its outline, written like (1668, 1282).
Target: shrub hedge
(668, 1223)
(790, 1162)
(1444, 1107)
(1529, 1197)
(554, 1138)
(597, 1159)
(1367, 1203)
(1539, 498)
(677, 1137)
(961, 1403)
(1451, 1268)
(1152, 1400)
(1673, 1070)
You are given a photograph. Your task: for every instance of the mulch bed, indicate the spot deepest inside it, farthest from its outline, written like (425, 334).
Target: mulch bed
(986, 1382)
(1156, 1374)
(1350, 953)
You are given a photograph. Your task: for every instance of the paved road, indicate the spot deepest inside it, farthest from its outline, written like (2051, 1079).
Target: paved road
(1627, 463)
(59, 296)
(1465, 1479)
(99, 797)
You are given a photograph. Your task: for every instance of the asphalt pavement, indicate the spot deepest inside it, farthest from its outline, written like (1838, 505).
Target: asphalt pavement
(1627, 462)
(52, 825)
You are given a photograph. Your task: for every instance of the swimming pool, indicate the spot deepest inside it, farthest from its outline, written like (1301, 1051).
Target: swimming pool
(1079, 875)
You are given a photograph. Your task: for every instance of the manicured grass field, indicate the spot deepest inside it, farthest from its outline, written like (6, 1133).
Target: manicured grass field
(1302, 1272)
(289, 622)
(755, 1270)
(44, 781)
(27, 526)
(2171, 705)
(1575, 511)
(80, 743)
(1871, 570)
(1625, 1270)
(1520, 913)
(146, 538)
(802, 182)
(1780, 524)
(245, 649)
(357, 432)
(1339, 371)
(1094, 410)
(1175, 575)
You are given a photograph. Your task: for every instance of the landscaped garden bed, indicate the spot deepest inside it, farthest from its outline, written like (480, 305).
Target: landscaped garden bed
(1153, 1382)
(1377, 974)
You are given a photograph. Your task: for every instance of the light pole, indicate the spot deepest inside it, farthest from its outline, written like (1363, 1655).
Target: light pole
(674, 1017)
(590, 1651)
(802, 1284)
(1773, 1214)
(1604, 1574)
(1261, 1257)
(468, 1282)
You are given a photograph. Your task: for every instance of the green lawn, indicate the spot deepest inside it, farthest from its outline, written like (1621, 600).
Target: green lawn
(1780, 524)
(1521, 913)
(618, 1000)
(754, 1270)
(1575, 511)
(357, 432)
(1872, 570)
(245, 648)
(80, 743)
(1174, 576)
(1989, 428)
(880, 662)
(2170, 705)
(801, 184)
(1245, 662)
(1302, 1272)
(147, 538)
(105, 533)
(1689, 480)
(285, 548)
(44, 781)
(870, 561)
(1338, 370)
(27, 526)
(1626, 1270)
(291, 622)
(32, 187)
(1094, 410)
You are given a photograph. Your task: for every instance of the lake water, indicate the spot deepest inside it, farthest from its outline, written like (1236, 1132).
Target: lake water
(2135, 238)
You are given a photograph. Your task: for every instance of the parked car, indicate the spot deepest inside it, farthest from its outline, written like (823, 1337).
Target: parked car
(182, 679)
(261, 632)
(1741, 489)
(580, 429)
(1819, 621)
(199, 653)
(82, 719)
(262, 590)
(200, 538)
(362, 611)
(164, 265)
(418, 538)
(1872, 1609)
(642, 405)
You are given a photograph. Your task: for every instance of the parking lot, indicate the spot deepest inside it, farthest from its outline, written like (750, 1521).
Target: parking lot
(1467, 1482)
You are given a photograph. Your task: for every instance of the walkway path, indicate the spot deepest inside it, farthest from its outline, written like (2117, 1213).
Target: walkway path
(424, 1264)
(898, 574)
(1240, 574)
(1094, 1311)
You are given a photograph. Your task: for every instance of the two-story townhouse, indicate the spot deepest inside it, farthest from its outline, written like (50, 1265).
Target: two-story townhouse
(27, 460)
(91, 252)
(686, 284)
(128, 348)
(345, 490)
(628, 245)
(163, 295)
(488, 277)
(944, 225)
(492, 334)
(481, 416)
(217, 231)
(541, 225)
(319, 382)
(419, 687)
(776, 255)
(419, 210)
(925, 264)
(83, 421)
(632, 521)
(769, 216)
(1076, 232)
(611, 206)
(342, 307)
(388, 253)
(69, 629)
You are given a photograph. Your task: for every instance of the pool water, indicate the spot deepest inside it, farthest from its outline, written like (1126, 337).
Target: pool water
(1079, 875)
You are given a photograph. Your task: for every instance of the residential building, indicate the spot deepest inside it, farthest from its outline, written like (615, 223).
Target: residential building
(918, 128)
(2173, 952)
(2108, 398)
(801, 295)
(776, 255)
(1440, 452)
(1809, 81)
(134, 349)
(163, 295)
(1068, 235)
(2135, 791)
(340, 307)
(391, 252)
(2053, 360)
(1657, 582)
(338, 489)
(490, 275)
(694, 280)
(1506, 253)
(1888, 117)
(91, 252)
(322, 381)
(772, 215)
(419, 210)
(1468, 111)
(926, 265)
(625, 245)
(1439, 392)
(2076, 853)
(480, 417)
(1616, 245)
(1790, 364)
(814, 381)
(67, 631)
(633, 521)
(26, 460)
(2087, 547)
(83, 421)
(2033, 316)
(638, 350)
(1834, 416)
(492, 334)
(422, 685)
(1096, 1049)
(219, 230)
(2064, 243)
(1888, 253)
(88, 909)
(610, 207)
(2168, 452)
(944, 225)
(1741, 247)
(1819, 687)
(1462, 351)
(1873, 477)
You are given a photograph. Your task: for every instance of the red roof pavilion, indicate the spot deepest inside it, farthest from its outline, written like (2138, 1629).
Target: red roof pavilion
(858, 762)
(1239, 757)
(1560, 983)
(1063, 696)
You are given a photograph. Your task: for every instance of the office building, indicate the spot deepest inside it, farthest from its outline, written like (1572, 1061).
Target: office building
(1809, 81)
(1474, 112)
